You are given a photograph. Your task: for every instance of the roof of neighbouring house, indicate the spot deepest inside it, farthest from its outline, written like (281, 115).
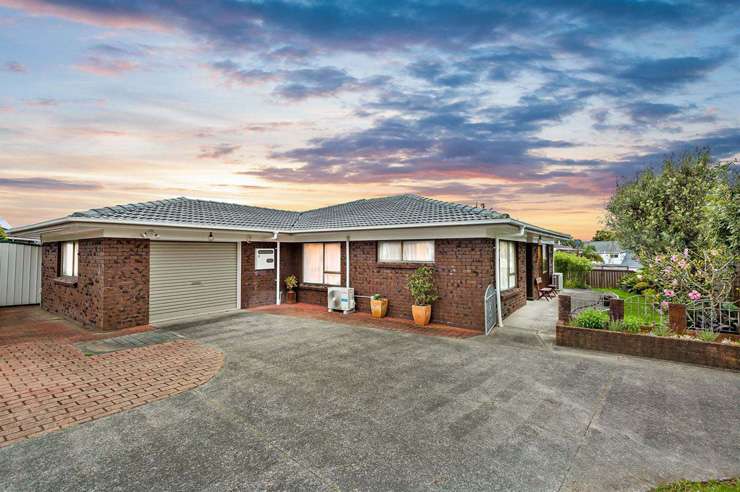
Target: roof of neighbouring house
(613, 248)
(391, 211)
(606, 247)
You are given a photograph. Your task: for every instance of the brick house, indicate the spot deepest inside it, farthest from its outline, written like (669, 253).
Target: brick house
(128, 265)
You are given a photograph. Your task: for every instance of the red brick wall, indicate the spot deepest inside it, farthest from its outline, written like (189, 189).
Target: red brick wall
(81, 302)
(708, 354)
(513, 299)
(126, 284)
(112, 288)
(463, 270)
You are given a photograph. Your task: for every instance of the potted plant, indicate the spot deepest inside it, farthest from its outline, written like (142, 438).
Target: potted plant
(378, 306)
(421, 286)
(291, 282)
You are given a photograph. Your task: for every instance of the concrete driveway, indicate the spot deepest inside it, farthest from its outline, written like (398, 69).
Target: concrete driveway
(307, 404)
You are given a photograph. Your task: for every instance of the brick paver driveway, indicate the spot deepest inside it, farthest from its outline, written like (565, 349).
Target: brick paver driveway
(309, 404)
(47, 384)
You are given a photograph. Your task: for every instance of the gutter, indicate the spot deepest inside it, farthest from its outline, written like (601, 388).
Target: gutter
(89, 220)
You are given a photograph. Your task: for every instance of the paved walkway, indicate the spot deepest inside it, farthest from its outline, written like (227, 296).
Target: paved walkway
(314, 311)
(49, 384)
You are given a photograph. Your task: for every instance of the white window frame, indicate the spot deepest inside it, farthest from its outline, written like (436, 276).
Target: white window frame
(75, 247)
(508, 276)
(402, 259)
(324, 271)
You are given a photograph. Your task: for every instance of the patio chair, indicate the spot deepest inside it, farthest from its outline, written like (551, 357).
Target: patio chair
(544, 292)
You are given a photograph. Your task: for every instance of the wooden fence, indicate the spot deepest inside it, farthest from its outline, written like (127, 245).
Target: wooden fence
(606, 278)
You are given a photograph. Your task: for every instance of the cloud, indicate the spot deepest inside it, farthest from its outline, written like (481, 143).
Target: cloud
(654, 75)
(42, 102)
(217, 151)
(50, 184)
(106, 67)
(14, 67)
(296, 84)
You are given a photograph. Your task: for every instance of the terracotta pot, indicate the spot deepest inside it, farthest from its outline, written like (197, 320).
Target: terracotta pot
(422, 314)
(290, 297)
(379, 307)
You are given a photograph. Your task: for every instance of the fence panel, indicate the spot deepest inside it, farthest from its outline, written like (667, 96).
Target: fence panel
(20, 274)
(606, 278)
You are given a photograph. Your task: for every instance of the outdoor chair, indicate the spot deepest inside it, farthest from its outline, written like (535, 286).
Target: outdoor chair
(544, 292)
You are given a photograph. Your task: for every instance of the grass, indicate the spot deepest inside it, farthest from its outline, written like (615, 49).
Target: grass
(731, 485)
(636, 308)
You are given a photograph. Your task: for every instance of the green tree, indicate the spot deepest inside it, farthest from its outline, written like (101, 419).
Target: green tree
(691, 203)
(604, 235)
(589, 252)
(3, 236)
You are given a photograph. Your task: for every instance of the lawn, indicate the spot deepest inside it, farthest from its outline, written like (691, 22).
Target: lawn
(637, 306)
(732, 485)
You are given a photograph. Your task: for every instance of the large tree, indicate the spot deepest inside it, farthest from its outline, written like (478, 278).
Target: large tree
(691, 203)
(603, 235)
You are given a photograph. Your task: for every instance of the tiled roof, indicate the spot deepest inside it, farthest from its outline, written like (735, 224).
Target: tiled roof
(388, 211)
(202, 212)
(392, 210)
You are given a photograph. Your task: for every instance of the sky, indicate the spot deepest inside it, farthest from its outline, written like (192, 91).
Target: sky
(536, 109)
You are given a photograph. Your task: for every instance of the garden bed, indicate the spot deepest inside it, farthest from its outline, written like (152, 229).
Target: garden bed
(714, 354)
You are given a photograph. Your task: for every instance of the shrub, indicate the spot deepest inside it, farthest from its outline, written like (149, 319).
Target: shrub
(661, 330)
(591, 318)
(706, 335)
(422, 288)
(574, 269)
(632, 324)
(616, 325)
(291, 282)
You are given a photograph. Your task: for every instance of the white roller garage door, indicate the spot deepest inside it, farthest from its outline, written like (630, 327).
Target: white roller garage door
(188, 279)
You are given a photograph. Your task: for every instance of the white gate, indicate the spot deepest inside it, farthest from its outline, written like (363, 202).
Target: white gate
(20, 274)
(491, 308)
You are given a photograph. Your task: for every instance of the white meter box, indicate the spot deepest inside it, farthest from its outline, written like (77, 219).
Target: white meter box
(264, 259)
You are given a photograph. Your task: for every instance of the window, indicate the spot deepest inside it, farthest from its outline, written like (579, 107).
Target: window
(68, 258)
(406, 251)
(545, 260)
(322, 263)
(507, 256)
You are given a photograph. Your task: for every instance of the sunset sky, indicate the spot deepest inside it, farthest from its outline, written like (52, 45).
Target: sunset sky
(537, 111)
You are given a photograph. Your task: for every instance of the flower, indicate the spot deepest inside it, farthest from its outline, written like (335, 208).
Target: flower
(669, 293)
(674, 258)
(694, 295)
(664, 305)
(686, 252)
(667, 270)
(674, 282)
(683, 264)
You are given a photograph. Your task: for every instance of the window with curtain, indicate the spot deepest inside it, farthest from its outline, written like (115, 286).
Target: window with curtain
(406, 251)
(322, 263)
(545, 260)
(68, 259)
(507, 255)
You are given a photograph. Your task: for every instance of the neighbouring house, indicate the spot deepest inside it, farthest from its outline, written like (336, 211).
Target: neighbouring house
(128, 265)
(615, 255)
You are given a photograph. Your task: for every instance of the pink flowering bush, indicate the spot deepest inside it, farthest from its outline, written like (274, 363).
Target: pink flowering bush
(685, 277)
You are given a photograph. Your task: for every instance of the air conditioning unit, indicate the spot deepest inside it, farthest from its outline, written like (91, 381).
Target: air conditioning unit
(340, 299)
(264, 259)
(557, 279)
